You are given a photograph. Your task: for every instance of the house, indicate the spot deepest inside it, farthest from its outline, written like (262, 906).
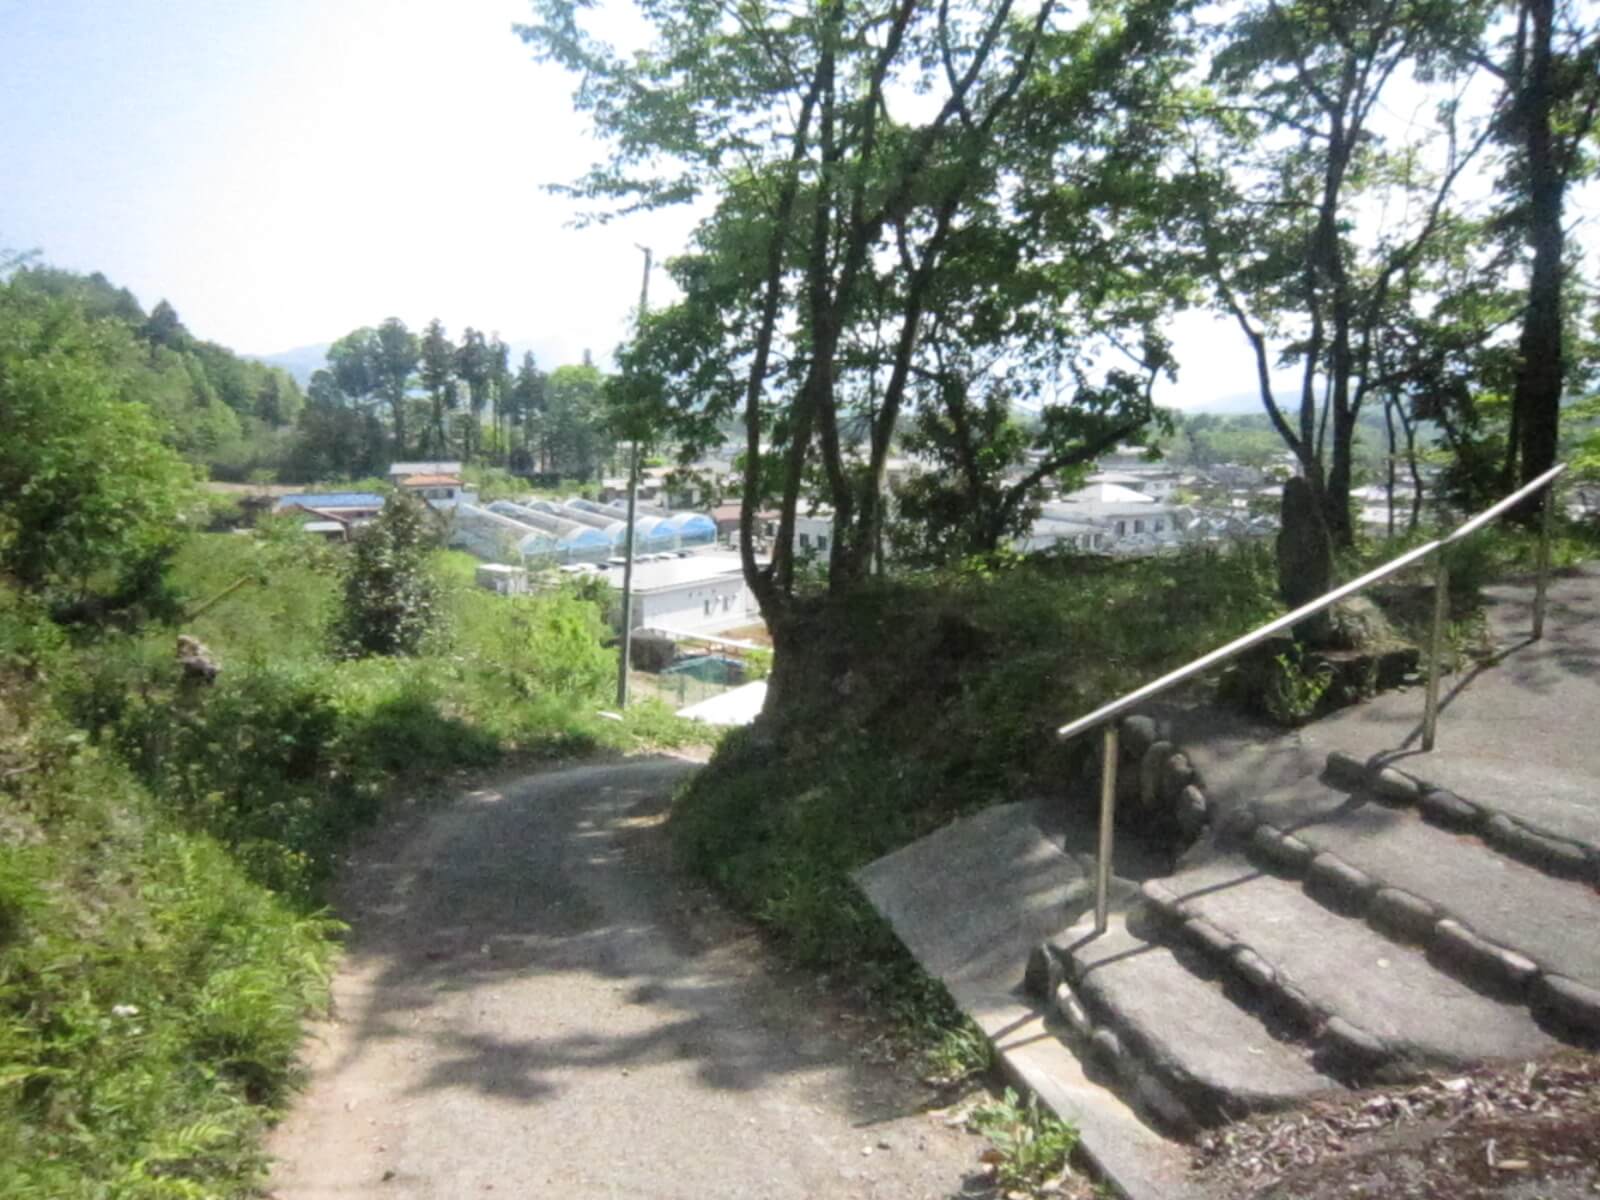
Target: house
(1107, 518)
(332, 514)
(701, 593)
(439, 483)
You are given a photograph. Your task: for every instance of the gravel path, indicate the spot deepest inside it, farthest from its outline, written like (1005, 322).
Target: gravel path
(533, 1004)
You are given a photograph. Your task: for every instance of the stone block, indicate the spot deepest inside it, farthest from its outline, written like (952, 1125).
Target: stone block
(1043, 973)
(1176, 775)
(1150, 769)
(1208, 937)
(1396, 786)
(1294, 1006)
(1160, 897)
(1556, 855)
(1352, 1046)
(1337, 884)
(1573, 1004)
(1402, 915)
(1253, 969)
(1163, 1103)
(1444, 807)
(1281, 850)
(1345, 770)
(1072, 1012)
(1107, 1049)
(1136, 734)
(1480, 961)
(1194, 810)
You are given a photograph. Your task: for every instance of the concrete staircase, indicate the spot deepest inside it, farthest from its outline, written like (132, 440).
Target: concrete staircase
(1359, 936)
(1343, 922)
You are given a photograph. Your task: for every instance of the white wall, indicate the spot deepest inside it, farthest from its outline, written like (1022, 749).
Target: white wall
(704, 606)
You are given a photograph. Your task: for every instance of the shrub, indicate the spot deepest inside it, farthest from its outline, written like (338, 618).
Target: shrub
(388, 592)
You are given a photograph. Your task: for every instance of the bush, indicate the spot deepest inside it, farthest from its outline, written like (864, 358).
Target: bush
(388, 592)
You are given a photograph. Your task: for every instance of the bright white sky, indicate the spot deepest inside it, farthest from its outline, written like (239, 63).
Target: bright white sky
(286, 171)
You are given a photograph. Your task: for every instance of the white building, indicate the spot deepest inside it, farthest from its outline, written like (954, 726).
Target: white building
(1106, 517)
(703, 593)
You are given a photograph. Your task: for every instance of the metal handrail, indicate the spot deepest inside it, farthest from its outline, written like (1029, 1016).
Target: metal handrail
(1105, 716)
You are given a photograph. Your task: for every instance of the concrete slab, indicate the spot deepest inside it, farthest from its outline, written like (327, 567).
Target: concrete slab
(1347, 969)
(1199, 1041)
(1517, 735)
(1016, 889)
(738, 706)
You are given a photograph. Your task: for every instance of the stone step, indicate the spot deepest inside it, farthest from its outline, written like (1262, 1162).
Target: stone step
(1372, 1007)
(970, 901)
(1498, 923)
(1168, 1027)
(1558, 852)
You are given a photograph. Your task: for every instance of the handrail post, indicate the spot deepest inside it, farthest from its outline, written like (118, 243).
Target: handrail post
(1441, 605)
(1108, 807)
(1546, 521)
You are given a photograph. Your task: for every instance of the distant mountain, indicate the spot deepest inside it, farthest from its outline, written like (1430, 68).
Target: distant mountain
(299, 362)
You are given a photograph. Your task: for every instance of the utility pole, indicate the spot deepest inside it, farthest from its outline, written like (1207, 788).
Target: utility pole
(633, 499)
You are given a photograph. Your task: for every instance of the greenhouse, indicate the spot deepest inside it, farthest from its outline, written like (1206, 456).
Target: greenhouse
(496, 538)
(687, 528)
(575, 542)
(651, 535)
(690, 528)
(614, 529)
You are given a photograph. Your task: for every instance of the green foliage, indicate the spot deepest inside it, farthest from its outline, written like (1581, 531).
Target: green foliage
(927, 698)
(149, 1011)
(90, 500)
(1295, 687)
(388, 593)
(1033, 1144)
(915, 225)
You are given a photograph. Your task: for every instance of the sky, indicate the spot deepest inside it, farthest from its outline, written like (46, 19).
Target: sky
(286, 171)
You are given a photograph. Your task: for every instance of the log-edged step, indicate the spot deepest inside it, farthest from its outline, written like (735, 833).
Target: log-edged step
(1489, 918)
(1349, 984)
(1166, 1012)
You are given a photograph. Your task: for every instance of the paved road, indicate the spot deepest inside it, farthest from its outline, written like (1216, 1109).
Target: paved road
(534, 1005)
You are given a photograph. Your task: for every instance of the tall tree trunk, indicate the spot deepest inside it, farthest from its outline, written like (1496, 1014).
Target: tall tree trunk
(1537, 395)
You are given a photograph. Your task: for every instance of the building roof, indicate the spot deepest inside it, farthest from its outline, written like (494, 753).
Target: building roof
(323, 500)
(1105, 493)
(440, 467)
(679, 572)
(431, 481)
(1119, 478)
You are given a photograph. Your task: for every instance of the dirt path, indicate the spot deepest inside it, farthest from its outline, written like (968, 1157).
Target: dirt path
(534, 1005)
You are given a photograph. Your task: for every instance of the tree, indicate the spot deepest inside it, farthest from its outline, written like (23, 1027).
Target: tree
(862, 156)
(527, 411)
(90, 499)
(396, 359)
(438, 378)
(474, 366)
(1293, 157)
(499, 392)
(1550, 70)
(389, 602)
(163, 328)
(575, 420)
(368, 363)
(334, 439)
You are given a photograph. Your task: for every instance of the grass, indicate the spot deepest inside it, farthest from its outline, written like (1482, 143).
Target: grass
(164, 845)
(929, 699)
(1031, 1144)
